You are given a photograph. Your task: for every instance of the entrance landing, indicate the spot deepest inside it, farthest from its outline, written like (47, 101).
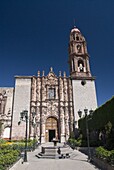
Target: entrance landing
(51, 144)
(49, 151)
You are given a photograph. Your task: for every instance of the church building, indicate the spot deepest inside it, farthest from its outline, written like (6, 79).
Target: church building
(52, 102)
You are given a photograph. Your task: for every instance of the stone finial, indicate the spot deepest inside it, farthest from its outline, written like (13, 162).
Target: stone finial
(38, 73)
(4, 92)
(64, 74)
(51, 69)
(43, 73)
(59, 73)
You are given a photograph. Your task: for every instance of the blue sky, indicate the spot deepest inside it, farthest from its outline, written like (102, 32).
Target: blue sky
(34, 35)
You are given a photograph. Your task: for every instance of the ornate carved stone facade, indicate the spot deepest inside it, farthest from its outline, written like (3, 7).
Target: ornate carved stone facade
(6, 99)
(51, 99)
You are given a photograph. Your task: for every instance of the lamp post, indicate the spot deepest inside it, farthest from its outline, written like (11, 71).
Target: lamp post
(87, 130)
(24, 117)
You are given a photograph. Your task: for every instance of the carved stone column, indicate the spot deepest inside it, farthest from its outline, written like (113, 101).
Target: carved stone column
(66, 122)
(65, 88)
(62, 124)
(38, 88)
(43, 88)
(33, 105)
(43, 97)
(38, 122)
(61, 89)
(43, 130)
(71, 111)
(71, 119)
(38, 109)
(33, 89)
(66, 106)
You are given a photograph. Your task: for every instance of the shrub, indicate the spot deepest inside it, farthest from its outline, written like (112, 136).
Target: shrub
(2, 167)
(10, 151)
(105, 155)
(96, 126)
(8, 157)
(112, 157)
(2, 141)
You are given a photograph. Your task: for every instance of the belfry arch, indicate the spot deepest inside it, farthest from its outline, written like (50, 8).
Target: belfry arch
(81, 65)
(51, 129)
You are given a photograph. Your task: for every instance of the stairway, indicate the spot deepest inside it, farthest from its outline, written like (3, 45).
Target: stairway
(49, 151)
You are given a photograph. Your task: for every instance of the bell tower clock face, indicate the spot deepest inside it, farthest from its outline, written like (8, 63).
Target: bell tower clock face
(51, 93)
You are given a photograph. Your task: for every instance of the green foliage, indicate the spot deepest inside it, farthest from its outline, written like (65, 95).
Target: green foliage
(103, 115)
(2, 167)
(18, 145)
(8, 157)
(105, 155)
(102, 120)
(102, 153)
(77, 142)
(10, 151)
(0, 128)
(2, 141)
(72, 135)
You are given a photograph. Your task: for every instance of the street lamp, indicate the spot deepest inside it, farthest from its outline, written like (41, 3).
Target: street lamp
(87, 129)
(24, 117)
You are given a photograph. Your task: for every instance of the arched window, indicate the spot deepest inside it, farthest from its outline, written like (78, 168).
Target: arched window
(74, 36)
(81, 65)
(77, 38)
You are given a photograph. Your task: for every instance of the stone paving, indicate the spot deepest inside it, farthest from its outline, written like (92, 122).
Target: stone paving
(77, 161)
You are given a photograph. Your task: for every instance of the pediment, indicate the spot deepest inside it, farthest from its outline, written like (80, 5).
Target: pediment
(52, 78)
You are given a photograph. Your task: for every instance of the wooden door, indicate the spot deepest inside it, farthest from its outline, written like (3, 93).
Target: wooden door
(51, 126)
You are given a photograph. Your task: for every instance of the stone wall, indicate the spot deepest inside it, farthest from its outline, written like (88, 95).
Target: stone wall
(22, 97)
(84, 96)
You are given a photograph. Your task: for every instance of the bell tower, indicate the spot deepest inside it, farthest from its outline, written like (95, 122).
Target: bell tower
(83, 83)
(78, 55)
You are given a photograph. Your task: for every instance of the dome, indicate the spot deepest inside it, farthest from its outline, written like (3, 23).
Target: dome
(75, 30)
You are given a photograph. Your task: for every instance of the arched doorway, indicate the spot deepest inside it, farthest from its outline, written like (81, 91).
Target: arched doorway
(51, 129)
(6, 133)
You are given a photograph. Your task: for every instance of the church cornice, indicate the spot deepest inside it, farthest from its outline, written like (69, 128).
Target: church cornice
(82, 78)
(78, 54)
(23, 77)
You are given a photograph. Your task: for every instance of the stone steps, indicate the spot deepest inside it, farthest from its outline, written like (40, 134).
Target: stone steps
(51, 152)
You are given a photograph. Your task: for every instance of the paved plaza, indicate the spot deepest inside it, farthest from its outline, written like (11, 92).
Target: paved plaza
(77, 161)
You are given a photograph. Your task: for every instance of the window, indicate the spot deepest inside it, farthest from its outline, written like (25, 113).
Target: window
(51, 93)
(81, 65)
(83, 82)
(77, 38)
